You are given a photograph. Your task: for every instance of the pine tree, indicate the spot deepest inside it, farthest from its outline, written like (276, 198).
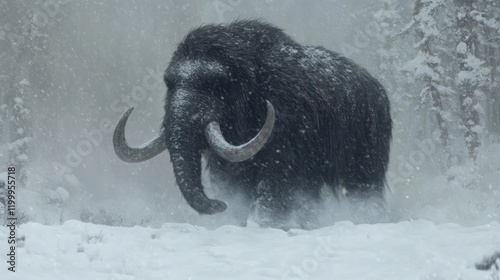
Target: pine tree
(20, 125)
(487, 16)
(455, 39)
(428, 66)
(389, 19)
(15, 114)
(391, 52)
(25, 46)
(3, 201)
(472, 74)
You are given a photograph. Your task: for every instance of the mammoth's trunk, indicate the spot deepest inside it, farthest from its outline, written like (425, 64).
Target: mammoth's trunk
(185, 116)
(187, 170)
(191, 126)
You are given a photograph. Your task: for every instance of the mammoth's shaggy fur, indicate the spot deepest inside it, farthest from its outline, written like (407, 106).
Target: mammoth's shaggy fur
(332, 127)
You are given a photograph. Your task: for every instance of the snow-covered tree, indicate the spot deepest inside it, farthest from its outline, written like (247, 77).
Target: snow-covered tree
(24, 46)
(472, 75)
(452, 66)
(15, 115)
(486, 14)
(392, 51)
(427, 65)
(390, 21)
(19, 120)
(455, 62)
(3, 199)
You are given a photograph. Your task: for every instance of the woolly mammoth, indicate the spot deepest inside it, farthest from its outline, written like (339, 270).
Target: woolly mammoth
(276, 121)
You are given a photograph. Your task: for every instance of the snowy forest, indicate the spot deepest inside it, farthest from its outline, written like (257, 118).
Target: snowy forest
(68, 70)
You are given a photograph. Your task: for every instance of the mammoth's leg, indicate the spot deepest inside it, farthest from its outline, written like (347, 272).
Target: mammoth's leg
(288, 202)
(307, 198)
(366, 202)
(364, 182)
(237, 193)
(272, 204)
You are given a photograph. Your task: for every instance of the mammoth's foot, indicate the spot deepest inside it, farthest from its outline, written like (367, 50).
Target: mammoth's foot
(367, 208)
(237, 195)
(271, 206)
(278, 207)
(296, 219)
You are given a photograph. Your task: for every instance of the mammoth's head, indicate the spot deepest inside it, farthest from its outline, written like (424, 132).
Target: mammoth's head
(207, 93)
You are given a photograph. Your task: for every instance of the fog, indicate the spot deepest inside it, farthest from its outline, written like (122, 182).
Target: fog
(98, 58)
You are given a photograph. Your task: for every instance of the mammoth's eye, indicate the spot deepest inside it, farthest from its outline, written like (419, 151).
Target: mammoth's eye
(215, 83)
(169, 83)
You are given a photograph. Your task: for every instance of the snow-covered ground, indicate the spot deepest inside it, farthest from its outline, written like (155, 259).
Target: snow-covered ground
(406, 250)
(439, 232)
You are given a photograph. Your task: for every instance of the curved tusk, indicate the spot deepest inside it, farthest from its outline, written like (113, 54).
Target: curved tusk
(136, 154)
(245, 151)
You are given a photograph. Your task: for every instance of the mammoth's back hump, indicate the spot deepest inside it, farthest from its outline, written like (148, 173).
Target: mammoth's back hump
(326, 107)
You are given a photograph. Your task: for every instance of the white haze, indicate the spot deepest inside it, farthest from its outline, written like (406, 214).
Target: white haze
(104, 53)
